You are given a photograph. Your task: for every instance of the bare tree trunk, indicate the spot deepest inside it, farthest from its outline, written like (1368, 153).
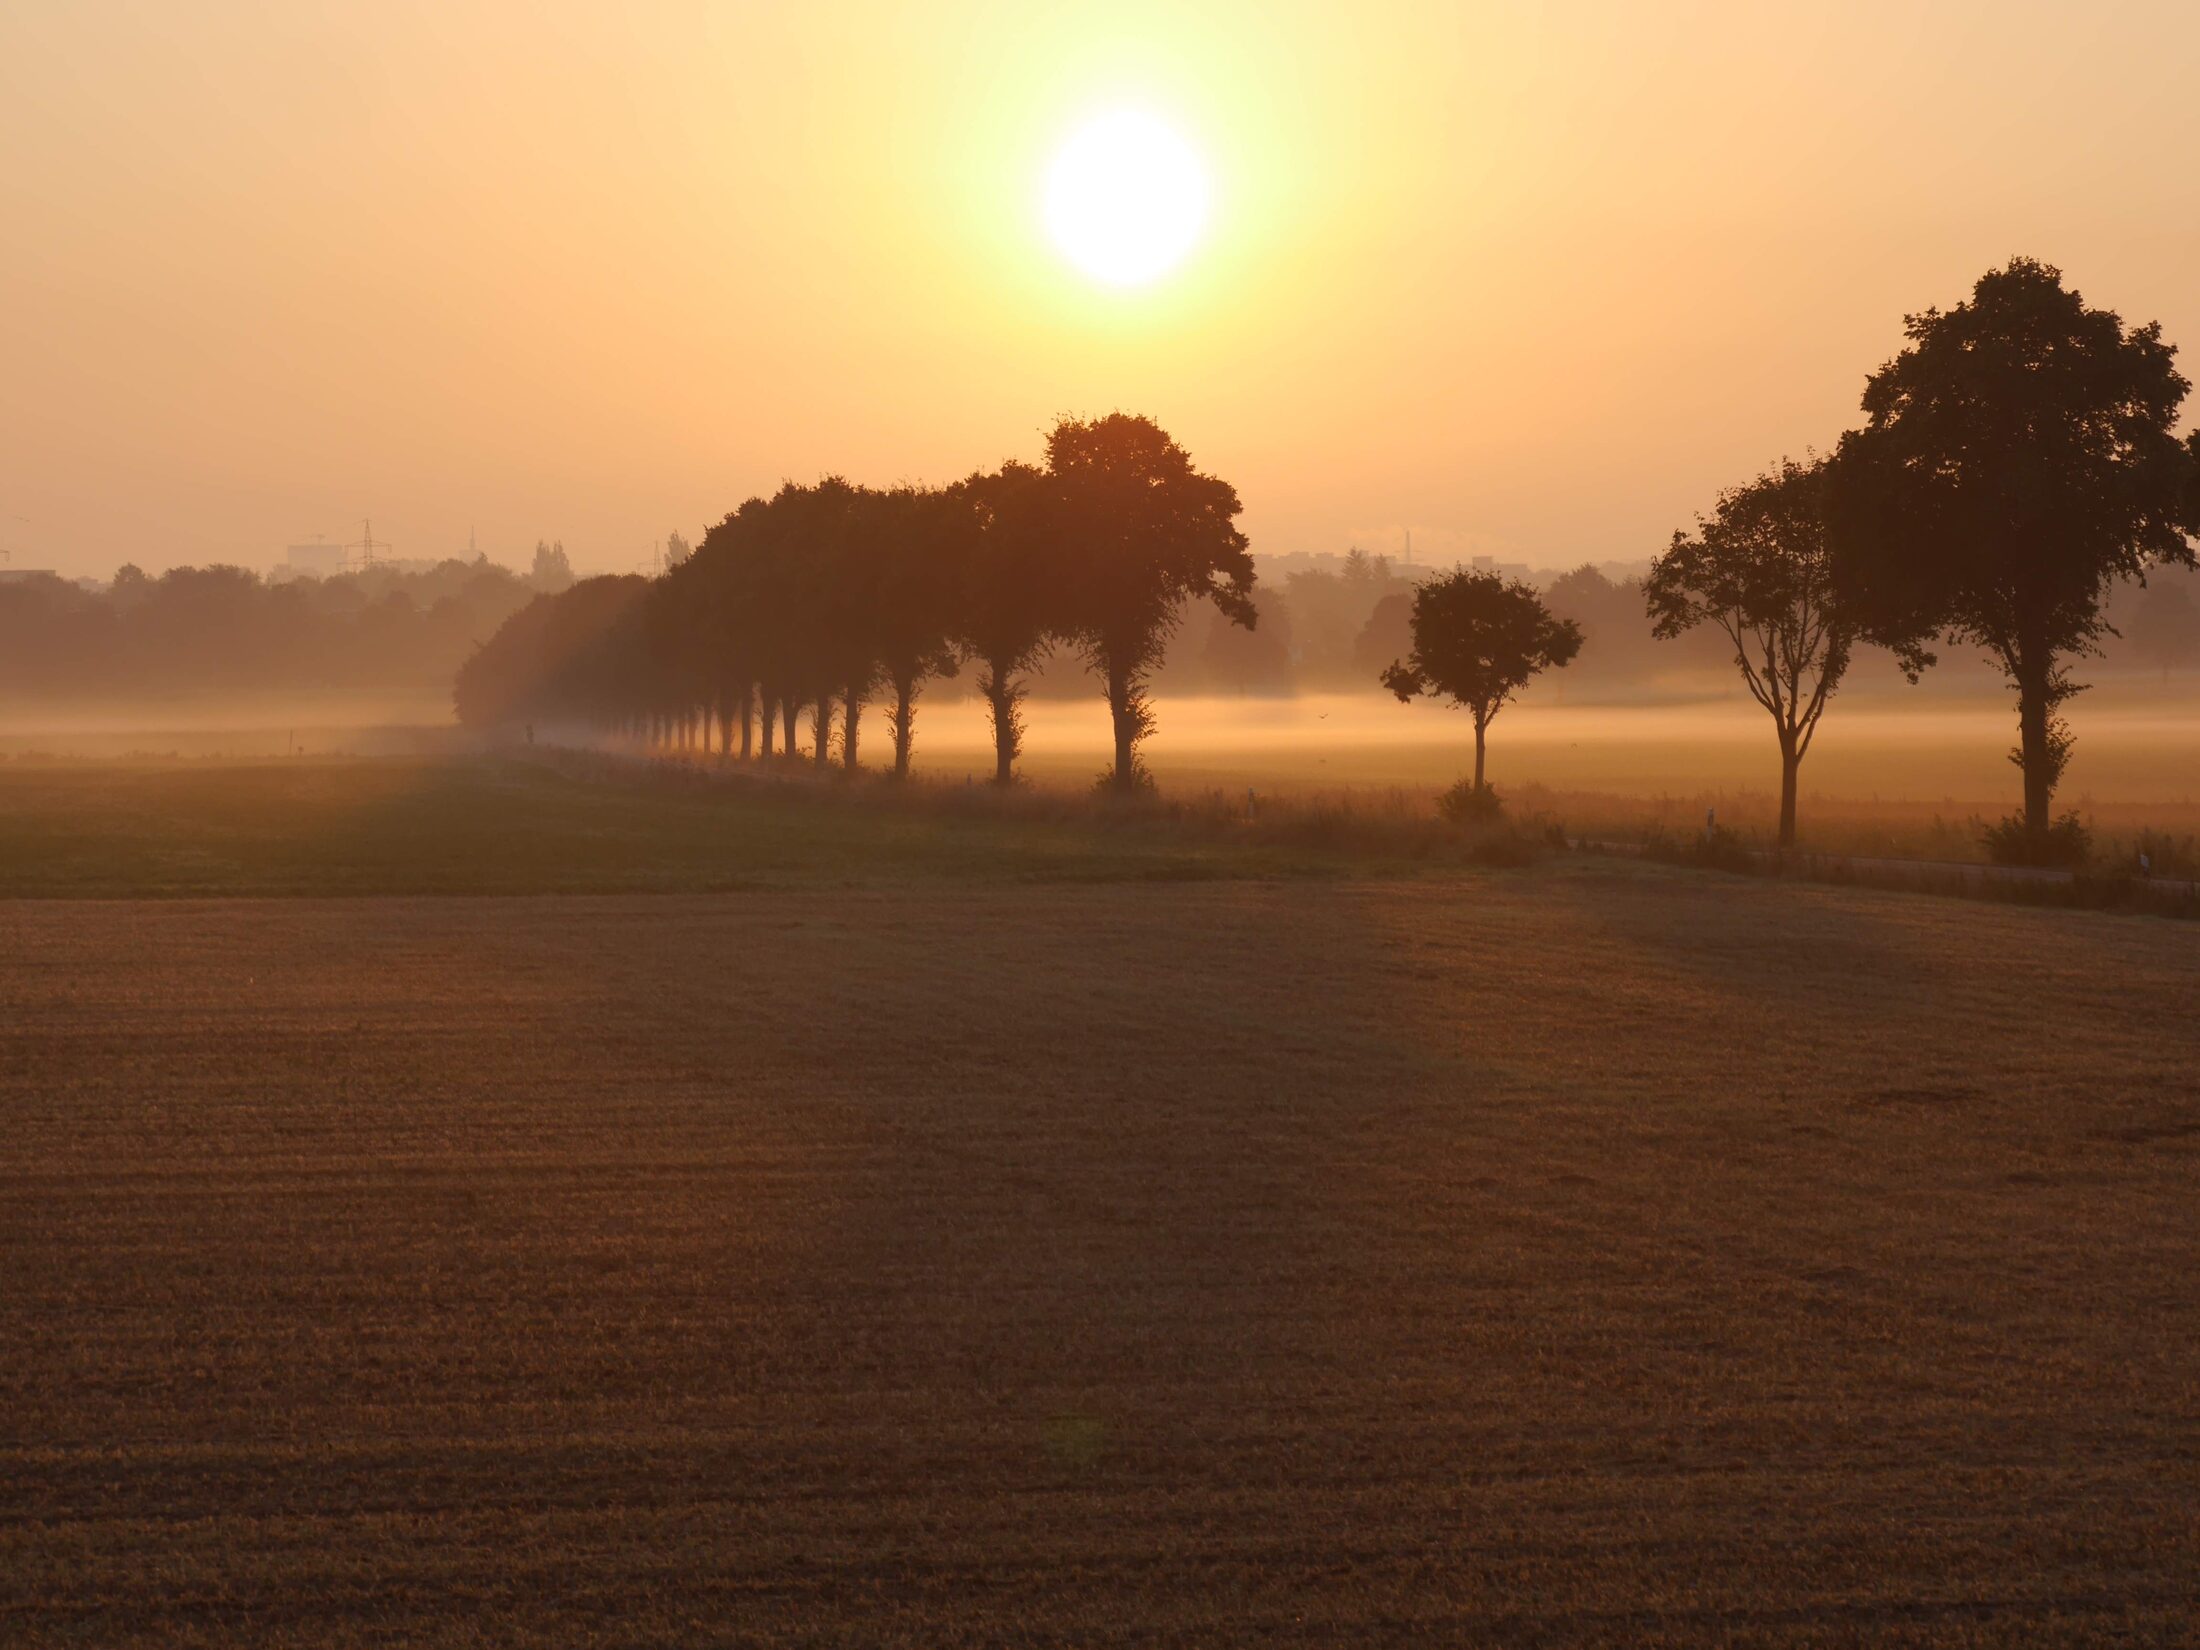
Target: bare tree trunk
(1123, 710)
(2033, 746)
(821, 728)
(905, 722)
(770, 705)
(1481, 747)
(748, 694)
(1791, 763)
(1000, 694)
(851, 711)
(788, 710)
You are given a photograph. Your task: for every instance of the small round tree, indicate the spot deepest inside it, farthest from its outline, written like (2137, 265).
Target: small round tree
(1477, 640)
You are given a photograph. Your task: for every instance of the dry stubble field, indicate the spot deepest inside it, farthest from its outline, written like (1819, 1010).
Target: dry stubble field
(1582, 1255)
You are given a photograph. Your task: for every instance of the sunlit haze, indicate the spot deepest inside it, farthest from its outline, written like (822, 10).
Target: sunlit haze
(596, 273)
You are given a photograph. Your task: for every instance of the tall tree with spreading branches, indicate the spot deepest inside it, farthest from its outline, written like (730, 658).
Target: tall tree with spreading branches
(1758, 570)
(1142, 532)
(2017, 458)
(915, 535)
(1005, 562)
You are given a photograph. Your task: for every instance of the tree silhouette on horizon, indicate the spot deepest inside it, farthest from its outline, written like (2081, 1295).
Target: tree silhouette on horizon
(1142, 532)
(2017, 458)
(1758, 570)
(1478, 639)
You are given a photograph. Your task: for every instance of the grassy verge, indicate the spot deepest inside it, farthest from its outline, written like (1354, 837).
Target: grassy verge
(575, 823)
(2102, 888)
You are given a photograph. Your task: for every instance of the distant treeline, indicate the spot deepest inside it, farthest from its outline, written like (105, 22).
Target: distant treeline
(211, 630)
(381, 630)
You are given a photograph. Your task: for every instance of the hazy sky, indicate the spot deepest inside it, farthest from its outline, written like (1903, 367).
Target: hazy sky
(1532, 279)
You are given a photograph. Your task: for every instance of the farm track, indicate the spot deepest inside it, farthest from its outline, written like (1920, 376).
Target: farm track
(1594, 1255)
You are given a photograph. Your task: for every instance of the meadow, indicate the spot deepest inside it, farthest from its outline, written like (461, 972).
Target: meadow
(808, 1224)
(1911, 772)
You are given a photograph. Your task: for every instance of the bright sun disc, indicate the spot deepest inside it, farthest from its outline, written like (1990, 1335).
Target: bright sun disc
(1126, 198)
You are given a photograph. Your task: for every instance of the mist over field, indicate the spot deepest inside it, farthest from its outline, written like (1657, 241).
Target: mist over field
(362, 665)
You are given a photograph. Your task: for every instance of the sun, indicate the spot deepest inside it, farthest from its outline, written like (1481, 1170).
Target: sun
(1126, 198)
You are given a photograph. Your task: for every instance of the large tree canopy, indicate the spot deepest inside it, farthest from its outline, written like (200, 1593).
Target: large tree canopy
(1142, 533)
(1758, 571)
(2017, 458)
(1008, 596)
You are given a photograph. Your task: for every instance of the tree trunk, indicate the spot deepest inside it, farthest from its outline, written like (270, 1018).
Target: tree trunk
(769, 706)
(851, 713)
(1125, 716)
(748, 693)
(1481, 748)
(821, 728)
(1006, 736)
(905, 723)
(2033, 712)
(1791, 763)
(788, 711)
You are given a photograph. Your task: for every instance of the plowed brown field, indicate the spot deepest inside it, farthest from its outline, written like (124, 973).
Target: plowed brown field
(1588, 1255)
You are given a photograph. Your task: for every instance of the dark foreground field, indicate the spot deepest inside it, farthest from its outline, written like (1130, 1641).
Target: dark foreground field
(1583, 1255)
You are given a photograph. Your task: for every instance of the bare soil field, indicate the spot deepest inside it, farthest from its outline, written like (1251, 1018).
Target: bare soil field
(1588, 1254)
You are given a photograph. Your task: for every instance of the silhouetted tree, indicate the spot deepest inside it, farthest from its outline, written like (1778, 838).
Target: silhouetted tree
(1142, 532)
(1387, 634)
(1477, 640)
(2017, 458)
(1758, 569)
(552, 572)
(914, 538)
(1004, 557)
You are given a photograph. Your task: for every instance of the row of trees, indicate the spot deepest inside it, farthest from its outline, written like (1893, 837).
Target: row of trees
(825, 597)
(2018, 459)
(225, 630)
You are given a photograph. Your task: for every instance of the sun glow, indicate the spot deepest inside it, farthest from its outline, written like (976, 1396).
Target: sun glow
(1126, 198)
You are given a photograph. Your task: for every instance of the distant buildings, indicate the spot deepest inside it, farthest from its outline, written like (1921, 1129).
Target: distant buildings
(317, 560)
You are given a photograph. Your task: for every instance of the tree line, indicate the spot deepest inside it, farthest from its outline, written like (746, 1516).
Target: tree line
(825, 598)
(225, 630)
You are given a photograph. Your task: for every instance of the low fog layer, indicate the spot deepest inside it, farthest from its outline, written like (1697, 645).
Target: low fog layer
(216, 661)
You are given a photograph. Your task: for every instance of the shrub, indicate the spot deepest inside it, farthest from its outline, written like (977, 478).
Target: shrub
(1467, 803)
(1141, 782)
(2066, 843)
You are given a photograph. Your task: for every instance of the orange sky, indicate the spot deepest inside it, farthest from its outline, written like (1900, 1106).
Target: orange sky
(1533, 280)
